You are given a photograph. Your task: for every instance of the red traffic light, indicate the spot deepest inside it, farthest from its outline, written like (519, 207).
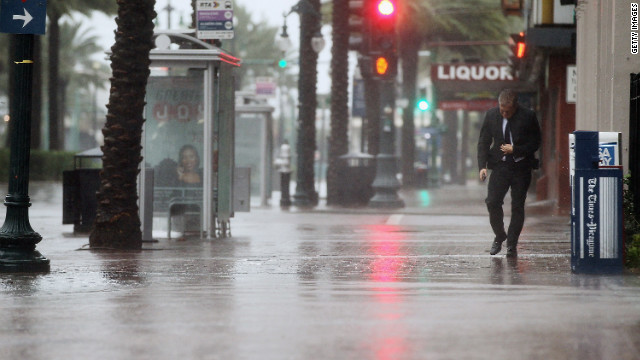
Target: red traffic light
(520, 49)
(385, 7)
(519, 45)
(382, 27)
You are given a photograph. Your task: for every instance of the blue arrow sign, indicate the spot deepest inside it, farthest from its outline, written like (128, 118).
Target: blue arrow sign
(23, 16)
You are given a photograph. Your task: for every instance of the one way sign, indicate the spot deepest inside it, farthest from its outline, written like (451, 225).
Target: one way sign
(23, 16)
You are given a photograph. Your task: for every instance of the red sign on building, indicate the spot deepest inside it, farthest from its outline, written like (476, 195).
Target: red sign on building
(471, 72)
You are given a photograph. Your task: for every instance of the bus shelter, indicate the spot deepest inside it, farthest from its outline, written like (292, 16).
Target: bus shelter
(188, 139)
(254, 144)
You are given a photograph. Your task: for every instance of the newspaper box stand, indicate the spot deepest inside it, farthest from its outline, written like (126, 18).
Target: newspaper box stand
(596, 212)
(188, 139)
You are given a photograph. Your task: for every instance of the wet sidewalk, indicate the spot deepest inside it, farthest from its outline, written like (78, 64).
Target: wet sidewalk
(331, 283)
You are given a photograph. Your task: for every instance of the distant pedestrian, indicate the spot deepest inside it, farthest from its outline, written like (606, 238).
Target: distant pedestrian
(509, 138)
(283, 161)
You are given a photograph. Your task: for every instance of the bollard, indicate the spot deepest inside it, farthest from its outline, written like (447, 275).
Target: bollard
(284, 167)
(285, 197)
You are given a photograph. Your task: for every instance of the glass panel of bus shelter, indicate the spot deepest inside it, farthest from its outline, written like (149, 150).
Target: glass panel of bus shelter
(250, 147)
(174, 142)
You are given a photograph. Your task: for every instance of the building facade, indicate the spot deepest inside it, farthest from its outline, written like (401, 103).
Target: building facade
(549, 62)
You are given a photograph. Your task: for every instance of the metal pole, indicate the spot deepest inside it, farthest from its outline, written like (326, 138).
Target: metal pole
(17, 239)
(386, 184)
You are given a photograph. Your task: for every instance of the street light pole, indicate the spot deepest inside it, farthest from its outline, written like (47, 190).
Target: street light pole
(17, 239)
(385, 183)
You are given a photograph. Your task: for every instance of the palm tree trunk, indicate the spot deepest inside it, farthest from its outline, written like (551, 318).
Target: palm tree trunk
(194, 24)
(306, 195)
(117, 222)
(338, 140)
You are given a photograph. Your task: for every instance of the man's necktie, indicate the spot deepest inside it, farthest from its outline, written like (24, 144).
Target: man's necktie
(507, 133)
(507, 140)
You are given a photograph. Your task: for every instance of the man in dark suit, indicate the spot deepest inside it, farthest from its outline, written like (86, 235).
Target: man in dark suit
(509, 138)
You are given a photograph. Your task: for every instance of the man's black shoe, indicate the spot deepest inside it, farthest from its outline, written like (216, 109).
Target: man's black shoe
(495, 247)
(511, 252)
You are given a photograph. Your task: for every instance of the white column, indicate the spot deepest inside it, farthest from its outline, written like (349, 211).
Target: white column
(587, 64)
(624, 64)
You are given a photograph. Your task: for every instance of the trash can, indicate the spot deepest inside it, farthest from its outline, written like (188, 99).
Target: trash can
(421, 175)
(357, 175)
(596, 211)
(79, 187)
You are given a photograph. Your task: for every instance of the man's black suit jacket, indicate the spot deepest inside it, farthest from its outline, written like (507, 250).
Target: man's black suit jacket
(525, 132)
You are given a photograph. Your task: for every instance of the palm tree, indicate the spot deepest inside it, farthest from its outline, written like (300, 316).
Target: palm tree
(252, 41)
(117, 222)
(77, 69)
(338, 141)
(305, 195)
(444, 20)
(55, 10)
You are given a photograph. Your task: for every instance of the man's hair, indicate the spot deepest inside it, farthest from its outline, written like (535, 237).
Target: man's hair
(507, 97)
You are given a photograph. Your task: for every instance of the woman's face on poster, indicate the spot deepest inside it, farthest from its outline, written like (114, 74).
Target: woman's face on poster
(189, 160)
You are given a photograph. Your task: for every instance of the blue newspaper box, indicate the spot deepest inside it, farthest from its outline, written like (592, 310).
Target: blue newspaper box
(596, 213)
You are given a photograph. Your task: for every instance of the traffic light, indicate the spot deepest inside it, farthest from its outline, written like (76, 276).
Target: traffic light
(358, 26)
(382, 27)
(282, 63)
(422, 104)
(385, 66)
(383, 38)
(518, 45)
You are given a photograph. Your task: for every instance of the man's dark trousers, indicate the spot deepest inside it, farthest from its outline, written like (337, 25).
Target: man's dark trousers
(517, 176)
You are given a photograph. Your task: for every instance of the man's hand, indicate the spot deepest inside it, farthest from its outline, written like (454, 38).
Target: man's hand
(506, 149)
(483, 174)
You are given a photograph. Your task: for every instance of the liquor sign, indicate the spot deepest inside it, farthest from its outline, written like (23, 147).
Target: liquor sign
(23, 16)
(214, 19)
(471, 72)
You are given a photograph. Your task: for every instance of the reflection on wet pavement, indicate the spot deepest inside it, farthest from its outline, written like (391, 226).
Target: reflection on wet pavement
(334, 285)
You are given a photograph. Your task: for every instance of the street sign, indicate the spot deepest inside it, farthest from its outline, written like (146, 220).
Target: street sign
(359, 104)
(214, 19)
(23, 16)
(265, 86)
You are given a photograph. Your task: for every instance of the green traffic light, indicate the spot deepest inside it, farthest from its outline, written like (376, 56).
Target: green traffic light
(423, 105)
(282, 63)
